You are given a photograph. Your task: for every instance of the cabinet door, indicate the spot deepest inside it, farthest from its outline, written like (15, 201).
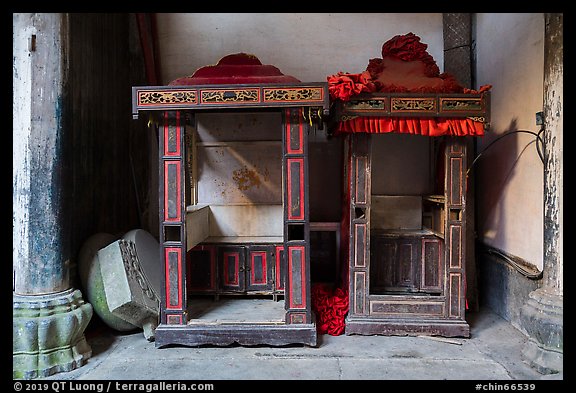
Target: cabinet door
(260, 268)
(432, 265)
(393, 264)
(231, 260)
(201, 271)
(407, 262)
(382, 256)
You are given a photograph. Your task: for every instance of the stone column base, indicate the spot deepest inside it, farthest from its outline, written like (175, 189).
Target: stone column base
(542, 318)
(48, 334)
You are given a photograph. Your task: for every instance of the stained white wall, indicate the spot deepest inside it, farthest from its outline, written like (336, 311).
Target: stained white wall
(308, 46)
(510, 182)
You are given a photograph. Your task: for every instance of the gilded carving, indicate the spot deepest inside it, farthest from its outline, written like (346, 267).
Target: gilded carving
(296, 94)
(236, 95)
(413, 104)
(365, 105)
(461, 104)
(167, 97)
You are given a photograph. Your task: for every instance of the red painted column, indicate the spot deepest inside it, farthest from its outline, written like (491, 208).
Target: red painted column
(296, 218)
(172, 217)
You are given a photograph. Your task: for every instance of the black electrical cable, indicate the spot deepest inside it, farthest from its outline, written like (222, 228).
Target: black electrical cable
(539, 144)
(533, 274)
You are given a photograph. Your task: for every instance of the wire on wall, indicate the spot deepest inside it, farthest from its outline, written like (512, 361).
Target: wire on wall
(522, 268)
(533, 274)
(539, 145)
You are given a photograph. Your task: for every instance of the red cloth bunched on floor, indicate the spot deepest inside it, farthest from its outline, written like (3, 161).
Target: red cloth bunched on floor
(331, 306)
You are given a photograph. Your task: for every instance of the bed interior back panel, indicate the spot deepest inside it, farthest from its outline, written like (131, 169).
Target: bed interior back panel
(396, 212)
(246, 220)
(245, 126)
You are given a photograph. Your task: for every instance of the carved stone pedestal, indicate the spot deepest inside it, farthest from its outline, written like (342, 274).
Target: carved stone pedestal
(48, 334)
(542, 317)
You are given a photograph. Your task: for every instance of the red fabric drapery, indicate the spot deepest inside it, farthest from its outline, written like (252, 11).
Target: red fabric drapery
(419, 126)
(147, 30)
(236, 68)
(330, 306)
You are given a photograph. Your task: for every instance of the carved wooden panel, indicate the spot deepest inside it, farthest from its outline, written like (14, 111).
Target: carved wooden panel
(432, 262)
(312, 95)
(360, 245)
(295, 188)
(404, 308)
(359, 291)
(394, 264)
(362, 183)
(297, 276)
(413, 104)
(259, 268)
(456, 178)
(455, 295)
(474, 106)
(297, 317)
(455, 241)
(294, 138)
(174, 319)
(222, 96)
(173, 270)
(232, 266)
(172, 191)
(172, 134)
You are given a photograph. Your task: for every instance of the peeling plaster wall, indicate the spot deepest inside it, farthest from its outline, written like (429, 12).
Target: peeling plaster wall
(510, 183)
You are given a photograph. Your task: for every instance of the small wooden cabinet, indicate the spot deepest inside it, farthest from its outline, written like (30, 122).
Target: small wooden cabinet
(394, 264)
(236, 269)
(405, 263)
(246, 268)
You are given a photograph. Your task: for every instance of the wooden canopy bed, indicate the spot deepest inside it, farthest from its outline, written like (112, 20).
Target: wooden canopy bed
(233, 196)
(405, 127)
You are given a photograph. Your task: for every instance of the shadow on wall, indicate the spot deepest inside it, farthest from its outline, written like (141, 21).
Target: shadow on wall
(497, 167)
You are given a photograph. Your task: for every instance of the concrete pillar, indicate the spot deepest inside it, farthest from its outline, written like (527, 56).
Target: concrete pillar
(49, 317)
(542, 315)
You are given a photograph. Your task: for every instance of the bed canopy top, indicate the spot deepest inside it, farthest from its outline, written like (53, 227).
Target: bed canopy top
(404, 92)
(238, 80)
(236, 68)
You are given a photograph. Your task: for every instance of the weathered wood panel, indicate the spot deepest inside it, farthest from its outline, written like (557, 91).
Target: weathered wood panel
(111, 160)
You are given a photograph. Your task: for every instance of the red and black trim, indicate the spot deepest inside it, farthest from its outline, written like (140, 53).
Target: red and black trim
(172, 218)
(296, 218)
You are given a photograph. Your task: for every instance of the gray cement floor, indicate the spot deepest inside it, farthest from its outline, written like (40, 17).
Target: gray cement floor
(492, 353)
